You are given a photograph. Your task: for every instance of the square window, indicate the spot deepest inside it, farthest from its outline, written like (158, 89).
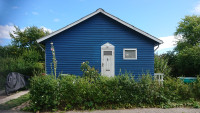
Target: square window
(130, 54)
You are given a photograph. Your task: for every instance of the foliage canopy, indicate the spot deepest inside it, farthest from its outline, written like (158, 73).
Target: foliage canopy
(189, 31)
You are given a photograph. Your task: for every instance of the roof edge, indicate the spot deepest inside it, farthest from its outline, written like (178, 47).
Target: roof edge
(100, 10)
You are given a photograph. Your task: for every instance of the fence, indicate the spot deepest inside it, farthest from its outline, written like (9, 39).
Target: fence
(159, 77)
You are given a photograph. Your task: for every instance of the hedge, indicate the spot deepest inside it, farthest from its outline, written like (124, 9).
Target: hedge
(72, 92)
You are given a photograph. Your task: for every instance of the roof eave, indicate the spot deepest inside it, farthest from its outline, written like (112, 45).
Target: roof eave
(94, 13)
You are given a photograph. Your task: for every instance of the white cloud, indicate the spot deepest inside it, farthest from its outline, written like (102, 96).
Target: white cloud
(56, 20)
(35, 13)
(196, 9)
(46, 29)
(168, 42)
(5, 30)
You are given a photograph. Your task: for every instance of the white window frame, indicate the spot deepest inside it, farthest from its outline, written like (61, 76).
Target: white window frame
(129, 58)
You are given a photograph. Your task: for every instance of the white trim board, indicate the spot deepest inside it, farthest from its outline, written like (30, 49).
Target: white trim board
(107, 14)
(124, 58)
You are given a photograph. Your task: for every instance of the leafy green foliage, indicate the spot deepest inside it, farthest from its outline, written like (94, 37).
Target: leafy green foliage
(9, 51)
(184, 59)
(171, 57)
(89, 72)
(196, 88)
(189, 30)
(161, 65)
(44, 93)
(25, 64)
(188, 61)
(176, 90)
(28, 37)
(31, 55)
(26, 40)
(72, 92)
(24, 55)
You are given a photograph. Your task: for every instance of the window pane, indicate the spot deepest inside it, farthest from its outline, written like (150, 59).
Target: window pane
(107, 52)
(130, 53)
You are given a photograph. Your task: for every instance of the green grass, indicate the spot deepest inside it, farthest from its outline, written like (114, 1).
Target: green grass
(15, 102)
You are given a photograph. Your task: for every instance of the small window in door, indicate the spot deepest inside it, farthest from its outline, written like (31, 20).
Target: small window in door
(107, 52)
(130, 54)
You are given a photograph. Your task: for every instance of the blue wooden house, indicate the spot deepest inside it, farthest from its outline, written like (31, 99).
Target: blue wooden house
(108, 43)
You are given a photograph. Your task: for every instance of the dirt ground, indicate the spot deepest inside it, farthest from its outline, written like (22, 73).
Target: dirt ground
(2, 94)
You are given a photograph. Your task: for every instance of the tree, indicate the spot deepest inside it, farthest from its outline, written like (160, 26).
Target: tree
(27, 39)
(9, 51)
(183, 59)
(189, 31)
(171, 57)
(188, 61)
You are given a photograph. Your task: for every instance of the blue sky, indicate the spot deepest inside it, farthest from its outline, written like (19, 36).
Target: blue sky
(157, 17)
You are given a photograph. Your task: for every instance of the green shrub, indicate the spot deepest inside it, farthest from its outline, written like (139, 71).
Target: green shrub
(175, 89)
(161, 65)
(196, 88)
(83, 93)
(72, 92)
(89, 72)
(31, 55)
(44, 91)
(19, 65)
(25, 64)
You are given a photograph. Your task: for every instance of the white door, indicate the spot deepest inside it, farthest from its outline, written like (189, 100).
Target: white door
(107, 60)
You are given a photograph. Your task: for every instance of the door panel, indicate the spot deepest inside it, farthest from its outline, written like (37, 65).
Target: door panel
(108, 63)
(107, 60)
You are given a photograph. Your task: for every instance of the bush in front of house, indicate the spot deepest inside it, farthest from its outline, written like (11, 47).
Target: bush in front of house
(89, 72)
(82, 93)
(44, 92)
(196, 88)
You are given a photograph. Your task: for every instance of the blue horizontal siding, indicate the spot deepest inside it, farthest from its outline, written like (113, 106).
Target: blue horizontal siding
(83, 43)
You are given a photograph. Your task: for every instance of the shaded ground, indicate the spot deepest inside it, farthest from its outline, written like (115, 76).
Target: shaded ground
(18, 108)
(2, 94)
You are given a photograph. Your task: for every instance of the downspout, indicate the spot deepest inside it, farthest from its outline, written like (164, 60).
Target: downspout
(156, 48)
(41, 48)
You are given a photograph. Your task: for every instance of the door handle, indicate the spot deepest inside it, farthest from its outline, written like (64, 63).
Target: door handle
(102, 64)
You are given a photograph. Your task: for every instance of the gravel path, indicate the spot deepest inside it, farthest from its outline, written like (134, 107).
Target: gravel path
(11, 97)
(137, 110)
(143, 110)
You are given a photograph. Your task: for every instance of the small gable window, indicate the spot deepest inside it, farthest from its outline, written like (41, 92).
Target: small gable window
(130, 54)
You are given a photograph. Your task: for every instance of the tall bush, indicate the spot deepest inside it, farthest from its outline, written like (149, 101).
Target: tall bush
(161, 65)
(26, 64)
(44, 93)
